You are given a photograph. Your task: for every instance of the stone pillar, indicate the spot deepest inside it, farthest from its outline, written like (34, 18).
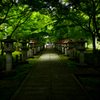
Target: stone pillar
(31, 50)
(53, 45)
(65, 49)
(39, 48)
(42, 47)
(71, 46)
(62, 49)
(34, 50)
(59, 47)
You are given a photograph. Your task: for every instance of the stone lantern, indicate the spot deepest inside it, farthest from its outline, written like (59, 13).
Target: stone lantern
(81, 48)
(24, 51)
(71, 46)
(31, 50)
(8, 48)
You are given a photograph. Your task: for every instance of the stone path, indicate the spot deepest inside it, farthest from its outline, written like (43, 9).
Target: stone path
(52, 80)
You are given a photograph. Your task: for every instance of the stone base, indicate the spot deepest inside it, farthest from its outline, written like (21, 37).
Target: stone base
(8, 73)
(71, 58)
(82, 65)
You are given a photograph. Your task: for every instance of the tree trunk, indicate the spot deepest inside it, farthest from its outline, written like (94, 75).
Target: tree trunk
(94, 46)
(17, 49)
(2, 48)
(0, 45)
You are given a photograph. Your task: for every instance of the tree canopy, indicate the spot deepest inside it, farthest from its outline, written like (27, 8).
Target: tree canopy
(56, 19)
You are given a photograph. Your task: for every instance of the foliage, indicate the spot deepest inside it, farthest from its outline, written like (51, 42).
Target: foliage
(58, 19)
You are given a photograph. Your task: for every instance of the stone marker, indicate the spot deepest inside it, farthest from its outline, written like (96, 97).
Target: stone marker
(62, 48)
(71, 47)
(31, 50)
(34, 50)
(75, 50)
(66, 49)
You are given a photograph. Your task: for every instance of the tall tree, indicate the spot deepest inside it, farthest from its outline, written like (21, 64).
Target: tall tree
(87, 15)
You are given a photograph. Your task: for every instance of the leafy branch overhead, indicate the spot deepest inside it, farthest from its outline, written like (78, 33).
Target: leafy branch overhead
(57, 19)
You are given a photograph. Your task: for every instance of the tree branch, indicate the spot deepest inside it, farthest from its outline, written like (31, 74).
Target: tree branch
(23, 12)
(19, 24)
(6, 14)
(90, 23)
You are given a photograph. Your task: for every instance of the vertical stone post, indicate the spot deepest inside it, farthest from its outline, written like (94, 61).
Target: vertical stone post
(65, 49)
(31, 50)
(34, 50)
(39, 48)
(71, 46)
(53, 45)
(59, 47)
(62, 48)
(75, 50)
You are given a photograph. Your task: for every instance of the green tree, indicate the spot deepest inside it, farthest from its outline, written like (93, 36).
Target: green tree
(86, 14)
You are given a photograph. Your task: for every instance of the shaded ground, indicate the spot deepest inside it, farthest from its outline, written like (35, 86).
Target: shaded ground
(53, 80)
(50, 79)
